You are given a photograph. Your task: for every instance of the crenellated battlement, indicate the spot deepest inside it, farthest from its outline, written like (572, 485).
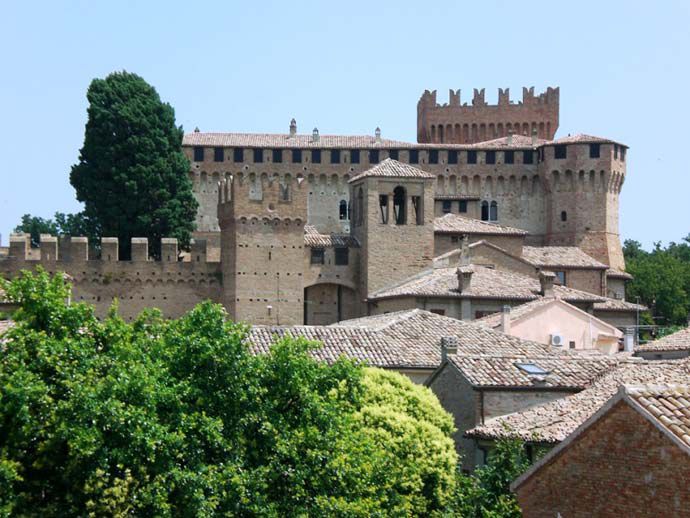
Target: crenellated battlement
(459, 123)
(76, 250)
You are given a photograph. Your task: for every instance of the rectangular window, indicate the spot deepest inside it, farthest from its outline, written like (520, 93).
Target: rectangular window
(258, 155)
(354, 156)
(414, 156)
(615, 151)
(452, 157)
(527, 157)
(198, 154)
(383, 208)
(277, 156)
(622, 154)
(296, 156)
(490, 157)
(594, 151)
(394, 154)
(509, 157)
(446, 206)
(315, 156)
(342, 256)
(463, 205)
(560, 151)
(218, 155)
(374, 156)
(317, 256)
(335, 156)
(433, 156)
(471, 157)
(561, 277)
(238, 154)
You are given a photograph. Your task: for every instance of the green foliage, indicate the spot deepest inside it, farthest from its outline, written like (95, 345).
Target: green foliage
(486, 493)
(178, 417)
(61, 225)
(661, 280)
(132, 174)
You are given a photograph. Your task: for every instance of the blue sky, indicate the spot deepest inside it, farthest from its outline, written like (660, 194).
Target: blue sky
(347, 67)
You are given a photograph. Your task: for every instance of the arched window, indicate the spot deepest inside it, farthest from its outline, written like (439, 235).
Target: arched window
(359, 208)
(342, 210)
(485, 210)
(493, 211)
(399, 196)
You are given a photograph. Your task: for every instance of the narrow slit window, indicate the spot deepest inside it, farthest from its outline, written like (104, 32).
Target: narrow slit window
(493, 211)
(417, 207)
(342, 210)
(399, 196)
(383, 208)
(485, 210)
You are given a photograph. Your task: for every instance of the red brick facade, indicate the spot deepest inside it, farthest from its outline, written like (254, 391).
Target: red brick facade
(622, 465)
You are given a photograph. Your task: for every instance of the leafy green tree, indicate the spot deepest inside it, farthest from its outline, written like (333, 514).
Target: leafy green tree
(178, 417)
(61, 225)
(132, 175)
(486, 493)
(661, 280)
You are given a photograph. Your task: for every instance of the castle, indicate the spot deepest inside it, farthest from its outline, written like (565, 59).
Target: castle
(308, 228)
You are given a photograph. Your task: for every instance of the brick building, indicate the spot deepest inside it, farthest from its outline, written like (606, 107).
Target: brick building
(307, 228)
(630, 458)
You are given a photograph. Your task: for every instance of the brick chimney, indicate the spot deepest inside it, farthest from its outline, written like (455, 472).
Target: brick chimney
(377, 134)
(547, 279)
(509, 138)
(505, 319)
(293, 127)
(465, 258)
(464, 277)
(449, 346)
(534, 137)
(315, 135)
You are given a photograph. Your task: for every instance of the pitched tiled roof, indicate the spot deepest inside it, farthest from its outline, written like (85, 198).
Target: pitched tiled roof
(678, 341)
(392, 168)
(618, 274)
(516, 141)
(267, 140)
(562, 371)
(487, 283)
(552, 422)
(419, 326)
(404, 339)
(668, 405)
(455, 224)
(560, 256)
(313, 239)
(494, 319)
(618, 305)
(581, 138)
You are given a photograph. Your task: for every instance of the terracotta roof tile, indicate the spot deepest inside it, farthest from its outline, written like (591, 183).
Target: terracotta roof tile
(618, 305)
(581, 138)
(552, 422)
(562, 371)
(313, 239)
(618, 274)
(560, 256)
(669, 405)
(392, 168)
(516, 142)
(678, 341)
(455, 224)
(268, 140)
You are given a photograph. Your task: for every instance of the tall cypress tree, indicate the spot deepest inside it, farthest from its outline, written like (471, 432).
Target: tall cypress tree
(132, 175)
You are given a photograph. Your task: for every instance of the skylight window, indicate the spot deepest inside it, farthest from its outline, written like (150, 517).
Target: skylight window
(531, 369)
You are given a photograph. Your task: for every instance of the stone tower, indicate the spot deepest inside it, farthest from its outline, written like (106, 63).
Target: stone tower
(583, 177)
(262, 247)
(393, 220)
(457, 123)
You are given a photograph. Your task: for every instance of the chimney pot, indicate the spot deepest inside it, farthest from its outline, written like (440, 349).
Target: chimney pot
(509, 139)
(534, 137)
(547, 279)
(464, 277)
(315, 135)
(449, 346)
(505, 319)
(377, 133)
(293, 127)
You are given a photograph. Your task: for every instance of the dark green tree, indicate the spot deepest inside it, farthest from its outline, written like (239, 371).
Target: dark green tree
(132, 175)
(178, 418)
(61, 225)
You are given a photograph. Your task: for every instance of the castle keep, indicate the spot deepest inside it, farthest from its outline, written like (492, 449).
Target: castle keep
(305, 228)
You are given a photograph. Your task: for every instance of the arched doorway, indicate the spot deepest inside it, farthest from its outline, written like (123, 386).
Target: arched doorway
(328, 303)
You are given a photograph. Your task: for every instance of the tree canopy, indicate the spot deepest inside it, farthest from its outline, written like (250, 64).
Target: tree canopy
(61, 225)
(178, 417)
(661, 280)
(132, 175)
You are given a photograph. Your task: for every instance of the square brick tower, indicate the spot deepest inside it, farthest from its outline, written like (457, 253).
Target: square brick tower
(393, 220)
